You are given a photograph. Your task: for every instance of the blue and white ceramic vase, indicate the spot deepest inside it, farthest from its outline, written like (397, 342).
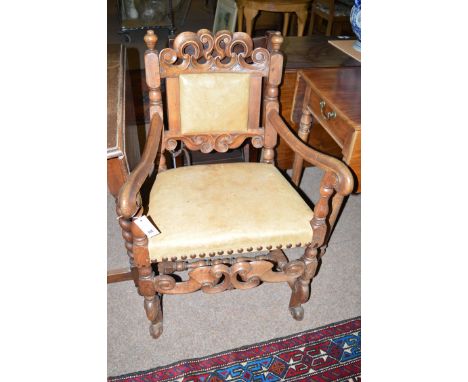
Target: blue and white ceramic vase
(356, 23)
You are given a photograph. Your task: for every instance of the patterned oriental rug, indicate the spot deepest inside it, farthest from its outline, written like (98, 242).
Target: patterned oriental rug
(329, 353)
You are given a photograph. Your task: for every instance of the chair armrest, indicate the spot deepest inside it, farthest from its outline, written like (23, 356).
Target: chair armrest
(345, 181)
(127, 200)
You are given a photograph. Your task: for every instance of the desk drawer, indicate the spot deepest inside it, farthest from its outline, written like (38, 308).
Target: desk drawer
(330, 119)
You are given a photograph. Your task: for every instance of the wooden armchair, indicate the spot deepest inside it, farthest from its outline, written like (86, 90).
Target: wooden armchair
(212, 217)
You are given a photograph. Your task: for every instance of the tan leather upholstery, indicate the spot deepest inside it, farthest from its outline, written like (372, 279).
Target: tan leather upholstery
(214, 102)
(220, 207)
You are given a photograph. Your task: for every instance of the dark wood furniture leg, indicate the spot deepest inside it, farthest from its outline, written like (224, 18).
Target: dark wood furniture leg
(301, 289)
(152, 302)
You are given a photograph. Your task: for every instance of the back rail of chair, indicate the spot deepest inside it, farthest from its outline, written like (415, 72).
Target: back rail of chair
(214, 88)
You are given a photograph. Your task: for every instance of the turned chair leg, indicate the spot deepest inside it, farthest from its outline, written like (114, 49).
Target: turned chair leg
(152, 301)
(301, 288)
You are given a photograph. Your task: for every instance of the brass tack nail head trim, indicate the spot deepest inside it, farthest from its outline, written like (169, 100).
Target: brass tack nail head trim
(279, 246)
(220, 252)
(250, 249)
(269, 247)
(240, 250)
(202, 255)
(298, 244)
(174, 258)
(193, 256)
(183, 257)
(259, 248)
(308, 243)
(165, 259)
(288, 245)
(230, 252)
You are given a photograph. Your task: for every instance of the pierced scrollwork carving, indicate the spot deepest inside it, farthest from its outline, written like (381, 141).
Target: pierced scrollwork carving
(220, 142)
(257, 141)
(203, 51)
(244, 273)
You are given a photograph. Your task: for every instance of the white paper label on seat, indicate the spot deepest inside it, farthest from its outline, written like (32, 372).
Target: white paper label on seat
(146, 226)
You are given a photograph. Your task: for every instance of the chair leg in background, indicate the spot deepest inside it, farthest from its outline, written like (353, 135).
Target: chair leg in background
(301, 20)
(301, 288)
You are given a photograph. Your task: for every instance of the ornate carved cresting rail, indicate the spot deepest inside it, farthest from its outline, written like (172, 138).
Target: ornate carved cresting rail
(214, 276)
(203, 52)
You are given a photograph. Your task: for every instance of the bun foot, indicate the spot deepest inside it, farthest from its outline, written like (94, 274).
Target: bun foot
(156, 330)
(297, 312)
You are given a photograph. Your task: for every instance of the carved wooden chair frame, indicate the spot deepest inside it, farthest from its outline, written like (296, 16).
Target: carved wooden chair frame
(203, 52)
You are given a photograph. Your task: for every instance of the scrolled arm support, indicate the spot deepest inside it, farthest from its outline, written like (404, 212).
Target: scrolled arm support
(128, 203)
(344, 179)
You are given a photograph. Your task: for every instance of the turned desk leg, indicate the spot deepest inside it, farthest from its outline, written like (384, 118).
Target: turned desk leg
(303, 133)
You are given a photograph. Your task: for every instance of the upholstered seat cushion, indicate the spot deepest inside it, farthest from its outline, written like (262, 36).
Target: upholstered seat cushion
(219, 208)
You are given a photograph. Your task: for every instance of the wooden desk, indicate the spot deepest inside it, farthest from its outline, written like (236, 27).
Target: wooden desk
(333, 98)
(305, 53)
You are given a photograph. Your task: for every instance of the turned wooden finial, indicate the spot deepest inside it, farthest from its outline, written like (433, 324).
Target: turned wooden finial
(150, 39)
(276, 41)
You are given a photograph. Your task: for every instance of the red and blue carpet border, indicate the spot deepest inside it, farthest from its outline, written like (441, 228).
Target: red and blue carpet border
(328, 353)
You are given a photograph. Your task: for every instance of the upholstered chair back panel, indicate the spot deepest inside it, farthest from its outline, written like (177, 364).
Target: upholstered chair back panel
(214, 102)
(214, 89)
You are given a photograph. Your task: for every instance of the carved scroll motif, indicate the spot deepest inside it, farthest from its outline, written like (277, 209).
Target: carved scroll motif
(204, 52)
(209, 142)
(243, 274)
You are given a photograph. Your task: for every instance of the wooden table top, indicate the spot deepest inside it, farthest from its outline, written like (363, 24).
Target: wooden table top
(314, 52)
(340, 87)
